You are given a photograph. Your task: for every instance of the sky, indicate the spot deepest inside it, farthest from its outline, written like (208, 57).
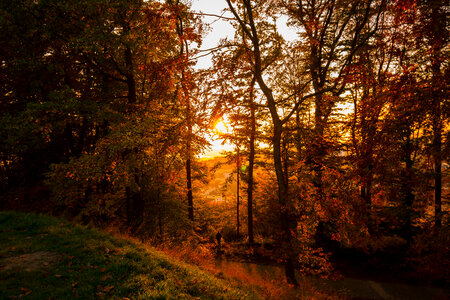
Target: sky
(220, 29)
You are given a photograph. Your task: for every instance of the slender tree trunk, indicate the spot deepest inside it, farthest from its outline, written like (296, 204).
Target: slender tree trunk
(287, 218)
(132, 197)
(131, 83)
(128, 205)
(189, 193)
(184, 50)
(160, 222)
(298, 135)
(438, 41)
(285, 160)
(82, 139)
(251, 161)
(188, 162)
(437, 143)
(69, 139)
(238, 166)
(366, 178)
(407, 184)
(366, 195)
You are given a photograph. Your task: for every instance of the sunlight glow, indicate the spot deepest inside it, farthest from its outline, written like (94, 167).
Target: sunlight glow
(218, 144)
(222, 127)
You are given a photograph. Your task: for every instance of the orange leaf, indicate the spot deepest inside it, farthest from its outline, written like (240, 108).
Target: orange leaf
(108, 288)
(26, 291)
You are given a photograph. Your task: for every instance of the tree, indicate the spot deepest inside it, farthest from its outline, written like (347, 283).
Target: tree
(370, 79)
(432, 34)
(251, 163)
(100, 71)
(332, 32)
(287, 219)
(186, 30)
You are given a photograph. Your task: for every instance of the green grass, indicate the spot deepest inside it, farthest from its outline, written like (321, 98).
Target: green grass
(87, 264)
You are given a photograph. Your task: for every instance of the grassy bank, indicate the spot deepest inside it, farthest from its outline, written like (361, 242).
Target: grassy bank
(43, 257)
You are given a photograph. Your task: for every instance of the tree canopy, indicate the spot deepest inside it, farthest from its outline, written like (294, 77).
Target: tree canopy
(341, 136)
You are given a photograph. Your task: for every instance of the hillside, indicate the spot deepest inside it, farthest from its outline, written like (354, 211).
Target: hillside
(43, 257)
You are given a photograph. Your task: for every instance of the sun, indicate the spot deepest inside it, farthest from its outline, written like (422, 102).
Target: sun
(217, 139)
(222, 127)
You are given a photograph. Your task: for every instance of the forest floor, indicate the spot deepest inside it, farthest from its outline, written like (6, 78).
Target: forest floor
(43, 257)
(47, 258)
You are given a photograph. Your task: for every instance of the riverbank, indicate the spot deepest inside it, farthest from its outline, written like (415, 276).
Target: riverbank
(392, 266)
(314, 287)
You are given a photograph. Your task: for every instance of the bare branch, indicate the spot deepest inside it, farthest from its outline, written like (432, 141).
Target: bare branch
(214, 15)
(303, 99)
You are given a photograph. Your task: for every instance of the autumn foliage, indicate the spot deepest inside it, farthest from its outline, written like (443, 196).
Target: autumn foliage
(340, 136)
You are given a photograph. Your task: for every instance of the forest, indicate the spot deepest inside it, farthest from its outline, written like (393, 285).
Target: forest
(338, 141)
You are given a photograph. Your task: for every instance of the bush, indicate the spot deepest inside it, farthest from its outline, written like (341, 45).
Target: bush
(430, 254)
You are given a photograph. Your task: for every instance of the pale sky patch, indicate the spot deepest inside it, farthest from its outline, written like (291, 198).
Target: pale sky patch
(221, 29)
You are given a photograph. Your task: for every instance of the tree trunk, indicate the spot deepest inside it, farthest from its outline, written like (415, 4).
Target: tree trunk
(286, 214)
(128, 205)
(189, 193)
(251, 161)
(160, 222)
(438, 21)
(238, 166)
(188, 162)
(82, 138)
(320, 119)
(298, 136)
(437, 143)
(69, 139)
(287, 218)
(366, 195)
(407, 184)
(184, 50)
(131, 83)
(366, 178)
(318, 150)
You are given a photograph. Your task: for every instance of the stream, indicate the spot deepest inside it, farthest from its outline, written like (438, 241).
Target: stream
(347, 288)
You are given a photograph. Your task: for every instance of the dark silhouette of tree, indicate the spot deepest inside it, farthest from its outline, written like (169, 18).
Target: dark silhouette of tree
(184, 29)
(431, 29)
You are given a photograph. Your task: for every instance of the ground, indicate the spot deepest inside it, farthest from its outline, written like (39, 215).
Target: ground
(47, 258)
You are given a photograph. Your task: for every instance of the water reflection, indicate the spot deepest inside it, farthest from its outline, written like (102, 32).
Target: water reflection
(270, 277)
